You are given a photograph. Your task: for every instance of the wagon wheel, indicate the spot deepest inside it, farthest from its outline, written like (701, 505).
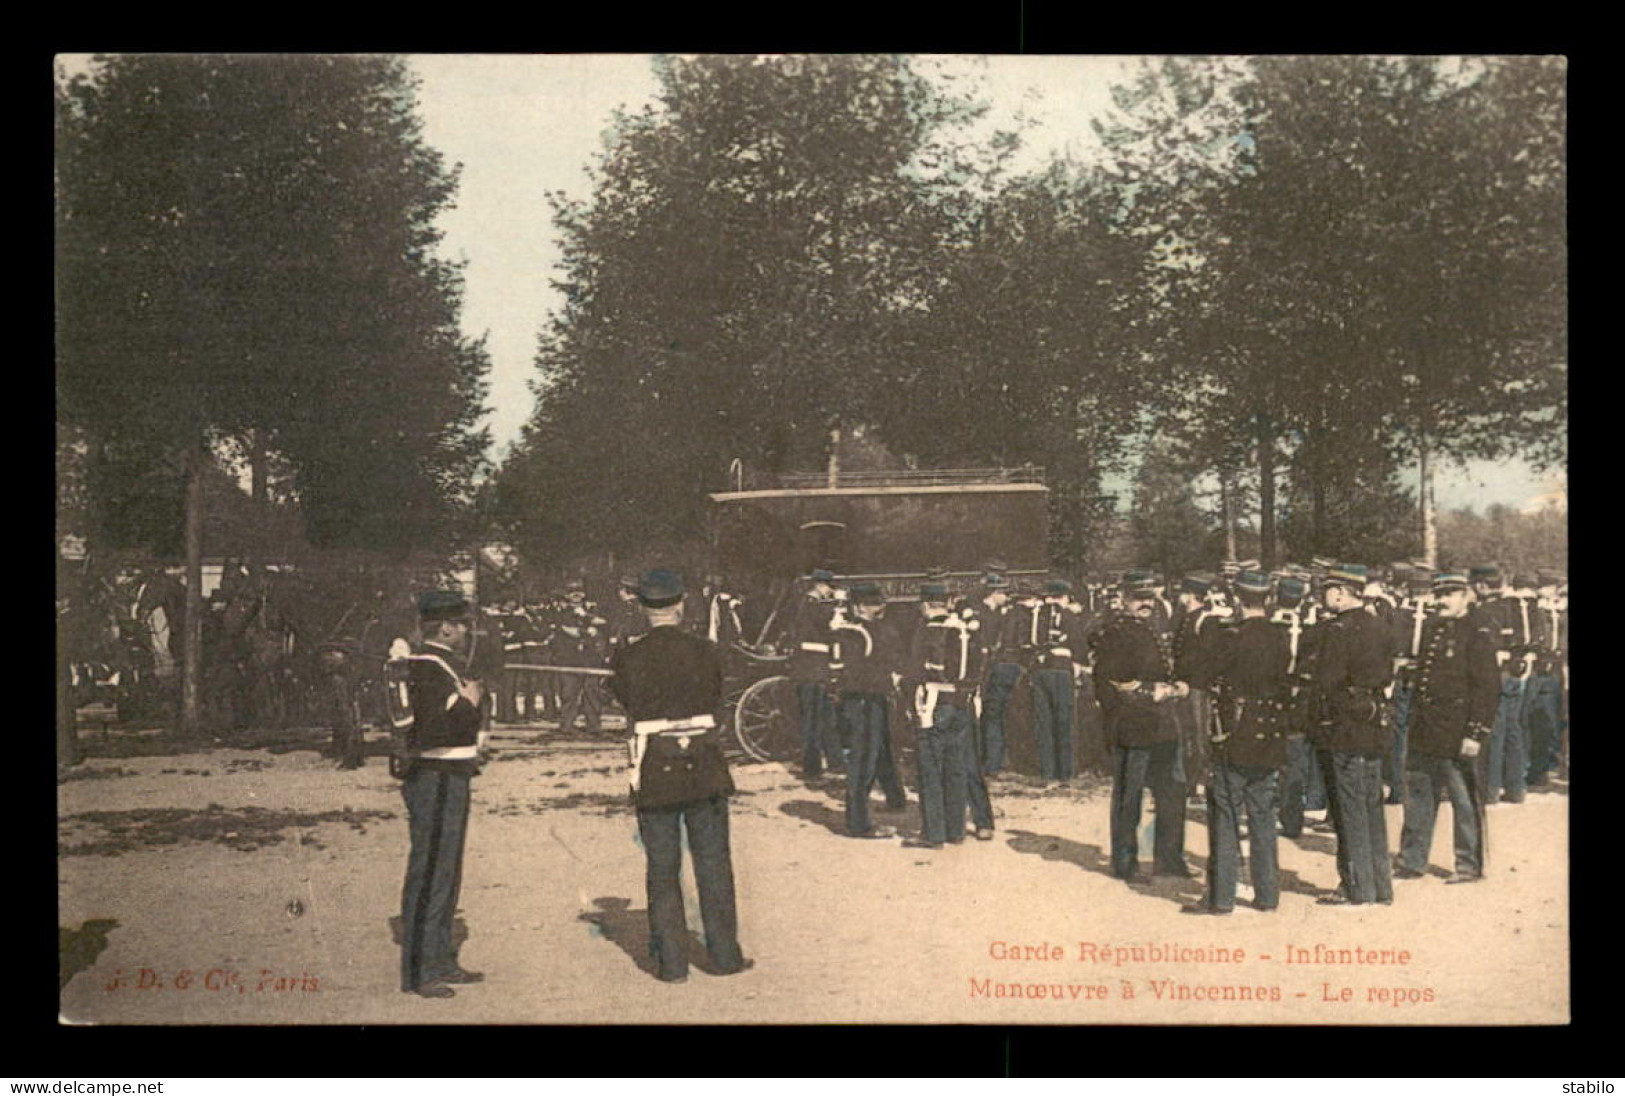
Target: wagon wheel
(765, 720)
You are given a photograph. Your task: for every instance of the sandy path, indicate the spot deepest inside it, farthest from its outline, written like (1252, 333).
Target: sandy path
(275, 890)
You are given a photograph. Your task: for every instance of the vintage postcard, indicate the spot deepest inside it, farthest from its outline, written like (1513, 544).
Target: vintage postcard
(975, 332)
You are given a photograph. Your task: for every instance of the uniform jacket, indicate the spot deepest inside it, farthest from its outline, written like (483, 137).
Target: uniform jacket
(864, 654)
(1457, 685)
(948, 650)
(991, 625)
(1251, 692)
(1353, 666)
(1516, 626)
(1061, 638)
(1127, 651)
(671, 674)
(1196, 635)
(809, 634)
(445, 726)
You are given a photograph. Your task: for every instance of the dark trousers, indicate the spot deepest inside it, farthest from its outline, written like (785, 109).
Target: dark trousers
(1231, 789)
(945, 758)
(437, 823)
(976, 797)
(1135, 768)
(820, 738)
(1001, 683)
(1052, 723)
(1426, 780)
(1300, 762)
(662, 829)
(1194, 717)
(867, 718)
(1365, 872)
(1542, 717)
(581, 695)
(1508, 763)
(1393, 762)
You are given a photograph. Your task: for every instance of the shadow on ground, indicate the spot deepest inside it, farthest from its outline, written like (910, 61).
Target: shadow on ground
(616, 921)
(244, 828)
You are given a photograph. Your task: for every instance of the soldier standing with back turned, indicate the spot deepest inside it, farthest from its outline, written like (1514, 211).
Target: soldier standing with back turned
(669, 682)
(1248, 749)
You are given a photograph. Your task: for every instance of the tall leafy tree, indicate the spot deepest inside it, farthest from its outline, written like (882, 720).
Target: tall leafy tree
(729, 286)
(245, 249)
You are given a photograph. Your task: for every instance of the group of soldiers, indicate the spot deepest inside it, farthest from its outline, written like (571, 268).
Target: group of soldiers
(1268, 697)
(555, 651)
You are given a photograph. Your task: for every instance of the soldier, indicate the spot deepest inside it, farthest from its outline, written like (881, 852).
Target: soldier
(1544, 693)
(1457, 690)
(1132, 680)
(1406, 624)
(1353, 670)
(1249, 661)
(443, 755)
(810, 670)
(1195, 627)
(723, 623)
(581, 643)
(862, 658)
(945, 665)
(670, 685)
(1301, 765)
(1507, 763)
(1052, 670)
(1004, 666)
(626, 620)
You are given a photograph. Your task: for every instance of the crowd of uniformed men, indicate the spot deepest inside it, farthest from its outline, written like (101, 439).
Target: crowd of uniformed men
(1269, 697)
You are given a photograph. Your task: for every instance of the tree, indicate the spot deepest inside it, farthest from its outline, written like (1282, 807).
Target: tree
(729, 287)
(1372, 254)
(245, 251)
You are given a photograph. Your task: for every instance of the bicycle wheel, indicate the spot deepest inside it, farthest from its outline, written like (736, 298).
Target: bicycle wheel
(765, 720)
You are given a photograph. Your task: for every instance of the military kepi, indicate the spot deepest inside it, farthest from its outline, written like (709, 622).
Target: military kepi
(1253, 582)
(660, 588)
(1445, 581)
(442, 605)
(1352, 575)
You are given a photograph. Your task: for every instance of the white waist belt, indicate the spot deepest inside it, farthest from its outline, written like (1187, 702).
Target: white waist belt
(643, 728)
(820, 647)
(1061, 652)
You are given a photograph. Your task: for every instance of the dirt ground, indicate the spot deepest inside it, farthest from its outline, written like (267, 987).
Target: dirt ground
(258, 886)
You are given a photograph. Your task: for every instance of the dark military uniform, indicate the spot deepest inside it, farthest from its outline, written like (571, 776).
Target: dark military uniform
(1509, 620)
(1003, 626)
(1457, 688)
(1145, 746)
(1059, 632)
(1405, 625)
(580, 641)
(670, 684)
(1301, 767)
(1250, 696)
(809, 669)
(1195, 632)
(863, 659)
(945, 666)
(1544, 692)
(1352, 671)
(443, 749)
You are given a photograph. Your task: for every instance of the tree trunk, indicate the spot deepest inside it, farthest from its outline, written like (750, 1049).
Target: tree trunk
(192, 649)
(1430, 516)
(1227, 515)
(834, 457)
(1266, 492)
(260, 492)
